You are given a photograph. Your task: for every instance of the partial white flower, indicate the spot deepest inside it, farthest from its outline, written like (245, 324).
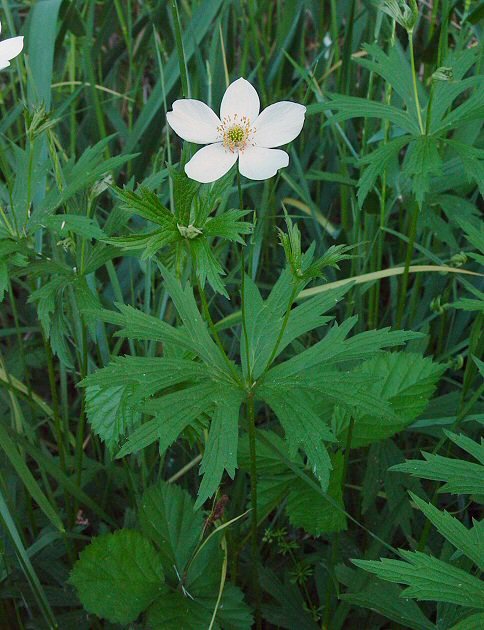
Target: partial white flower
(9, 49)
(240, 133)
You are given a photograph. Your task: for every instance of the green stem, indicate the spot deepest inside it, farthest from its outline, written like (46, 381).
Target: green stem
(242, 289)
(253, 498)
(414, 81)
(408, 260)
(335, 547)
(294, 293)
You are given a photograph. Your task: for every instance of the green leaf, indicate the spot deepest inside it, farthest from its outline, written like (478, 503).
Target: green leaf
(307, 509)
(110, 413)
(221, 449)
(407, 381)
(184, 190)
(195, 327)
(207, 267)
(90, 167)
(228, 226)
(346, 107)
(303, 428)
(174, 611)
(422, 161)
(376, 163)
(149, 374)
(146, 204)
(289, 610)
(174, 412)
(386, 599)
(65, 223)
(454, 531)
(473, 622)
(118, 576)
(462, 477)
(167, 517)
(136, 324)
(428, 579)
(335, 349)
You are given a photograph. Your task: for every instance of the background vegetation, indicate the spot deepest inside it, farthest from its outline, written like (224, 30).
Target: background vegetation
(390, 163)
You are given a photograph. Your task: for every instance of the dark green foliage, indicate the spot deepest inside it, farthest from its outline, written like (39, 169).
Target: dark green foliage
(245, 404)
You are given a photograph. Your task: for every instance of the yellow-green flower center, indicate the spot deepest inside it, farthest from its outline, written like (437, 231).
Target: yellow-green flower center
(236, 133)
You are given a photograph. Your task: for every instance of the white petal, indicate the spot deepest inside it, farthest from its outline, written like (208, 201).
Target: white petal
(261, 163)
(194, 121)
(10, 48)
(278, 124)
(210, 163)
(240, 98)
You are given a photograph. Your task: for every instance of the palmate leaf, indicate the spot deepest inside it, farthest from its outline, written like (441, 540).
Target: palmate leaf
(110, 413)
(177, 611)
(266, 317)
(302, 426)
(307, 509)
(151, 374)
(428, 579)
(461, 477)
(150, 243)
(289, 610)
(228, 225)
(167, 518)
(384, 598)
(118, 576)
(90, 167)
(65, 223)
(469, 541)
(221, 449)
(207, 267)
(472, 159)
(336, 349)
(146, 204)
(445, 92)
(376, 162)
(393, 66)
(346, 107)
(197, 330)
(184, 190)
(405, 380)
(422, 162)
(173, 413)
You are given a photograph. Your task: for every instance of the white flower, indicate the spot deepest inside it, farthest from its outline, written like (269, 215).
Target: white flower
(240, 132)
(9, 49)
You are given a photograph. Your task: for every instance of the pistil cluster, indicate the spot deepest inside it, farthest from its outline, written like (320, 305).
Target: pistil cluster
(236, 133)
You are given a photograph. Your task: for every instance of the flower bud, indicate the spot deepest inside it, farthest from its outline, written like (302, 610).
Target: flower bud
(458, 260)
(189, 231)
(402, 13)
(443, 74)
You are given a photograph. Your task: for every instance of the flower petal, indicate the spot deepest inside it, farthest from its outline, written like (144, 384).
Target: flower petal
(240, 98)
(262, 163)
(278, 124)
(210, 163)
(10, 48)
(194, 121)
